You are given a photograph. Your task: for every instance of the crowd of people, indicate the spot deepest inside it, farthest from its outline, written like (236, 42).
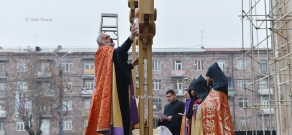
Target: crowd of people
(206, 110)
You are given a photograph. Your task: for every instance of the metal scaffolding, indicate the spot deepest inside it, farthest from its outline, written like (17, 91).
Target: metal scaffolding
(268, 23)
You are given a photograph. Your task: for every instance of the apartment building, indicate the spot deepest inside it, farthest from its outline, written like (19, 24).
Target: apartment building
(170, 67)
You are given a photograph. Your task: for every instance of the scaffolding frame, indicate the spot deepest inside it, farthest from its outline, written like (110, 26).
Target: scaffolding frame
(276, 24)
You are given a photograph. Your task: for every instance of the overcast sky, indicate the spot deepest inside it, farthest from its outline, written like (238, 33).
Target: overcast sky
(76, 23)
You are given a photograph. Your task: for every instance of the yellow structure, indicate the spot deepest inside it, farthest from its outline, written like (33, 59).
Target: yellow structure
(146, 13)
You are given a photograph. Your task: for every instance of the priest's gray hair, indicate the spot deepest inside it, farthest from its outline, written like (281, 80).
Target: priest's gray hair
(99, 40)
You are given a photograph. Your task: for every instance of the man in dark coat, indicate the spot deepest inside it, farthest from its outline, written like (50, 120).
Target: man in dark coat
(172, 110)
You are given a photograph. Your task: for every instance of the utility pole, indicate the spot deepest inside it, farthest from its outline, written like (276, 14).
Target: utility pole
(60, 99)
(202, 38)
(61, 88)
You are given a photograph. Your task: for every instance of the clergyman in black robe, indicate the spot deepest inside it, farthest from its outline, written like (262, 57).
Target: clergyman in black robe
(172, 110)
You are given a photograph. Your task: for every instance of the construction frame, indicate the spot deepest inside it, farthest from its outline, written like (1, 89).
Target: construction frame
(268, 23)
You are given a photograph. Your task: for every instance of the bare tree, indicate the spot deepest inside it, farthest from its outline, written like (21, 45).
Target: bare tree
(33, 84)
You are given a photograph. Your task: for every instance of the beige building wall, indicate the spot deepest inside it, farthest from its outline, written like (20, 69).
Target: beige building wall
(168, 76)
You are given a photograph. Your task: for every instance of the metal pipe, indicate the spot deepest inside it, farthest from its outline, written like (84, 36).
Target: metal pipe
(268, 67)
(283, 16)
(272, 20)
(255, 46)
(280, 6)
(252, 7)
(289, 78)
(242, 37)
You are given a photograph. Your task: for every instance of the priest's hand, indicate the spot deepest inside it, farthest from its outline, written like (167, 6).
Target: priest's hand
(134, 32)
(135, 62)
(161, 120)
(169, 118)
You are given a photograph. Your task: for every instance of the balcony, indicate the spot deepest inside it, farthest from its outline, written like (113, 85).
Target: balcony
(179, 92)
(3, 113)
(47, 115)
(86, 93)
(88, 74)
(85, 113)
(178, 73)
(266, 110)
(44, 74)
(89, 71)
(265, 91)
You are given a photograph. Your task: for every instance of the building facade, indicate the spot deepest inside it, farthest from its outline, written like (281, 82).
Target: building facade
(170, 67)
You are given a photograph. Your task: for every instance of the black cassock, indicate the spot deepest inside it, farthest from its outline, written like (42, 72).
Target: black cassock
(123, 72)
(172, 109)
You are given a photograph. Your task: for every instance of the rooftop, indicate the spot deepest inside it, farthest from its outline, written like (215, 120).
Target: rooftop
(64, 50)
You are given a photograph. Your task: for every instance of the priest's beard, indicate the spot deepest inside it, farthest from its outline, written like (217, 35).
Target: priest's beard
(109, 43)
(210, 82)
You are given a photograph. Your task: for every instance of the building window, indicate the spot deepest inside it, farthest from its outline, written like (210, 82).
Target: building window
(243, 122)
(2, 106)
(221, 64)
(264, 83)
(45, 127)
(68, 86)
(2, 86)
(230, 82)
(263, 65)
(67, 125)
(46, 85)
(177, 65)
(156, 65)
(2, 67)
(67, 67)
(242, 102)
(21, 67)
(198, 65)
(241, 83)
(89, 85)
(47, 108)
(68, 105)
(20, 126)
(22, 104)
(45, 66)
(241, 64)
(87, 104)
(89, 66)
(85, 123)
(178, 84)
(2, 90)
(156, 103)
(22, 86)
(48, 88)
(265, 102)
(267, 121)
(1, 126)
(156, 84)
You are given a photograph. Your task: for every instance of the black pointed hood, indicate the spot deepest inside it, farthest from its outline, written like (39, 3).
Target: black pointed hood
(189, 113)
(191, 87)
(201, 89)
(220, 80)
